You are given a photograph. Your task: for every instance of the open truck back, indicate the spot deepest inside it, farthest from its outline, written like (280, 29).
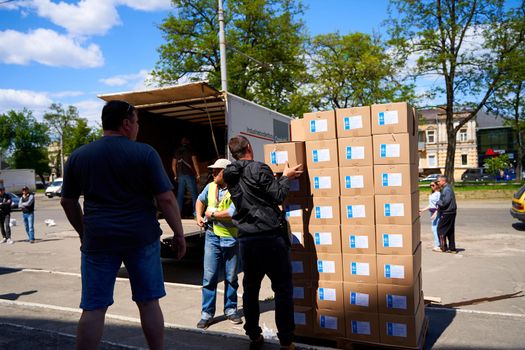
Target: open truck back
(208, 117)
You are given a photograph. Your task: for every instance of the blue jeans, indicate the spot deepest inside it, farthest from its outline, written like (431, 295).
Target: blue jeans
(434, 226)
(29, 220)
(220, 258)
(190, 182)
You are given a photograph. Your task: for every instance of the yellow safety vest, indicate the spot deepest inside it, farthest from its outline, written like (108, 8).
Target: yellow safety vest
(222, 228)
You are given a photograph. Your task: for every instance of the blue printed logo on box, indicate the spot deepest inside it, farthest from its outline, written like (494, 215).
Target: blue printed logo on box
(273, 157)
(389, 329)
(321, 293)
(348, 152)
(382, 150)
(323, 322)
(317, 212)
(354, 327)
(387, 209)
(348, 183)
(381, 120)
(349, 213)
(316, 182)
(347, 123)
(353, 297)
(386, 243)
(389, 302)
(385, 179)
(315, 156)
(287, 210)
(354, 268)
(312, 125)
(319, 266)
(317, 238)
(352, 241)
(387, 271)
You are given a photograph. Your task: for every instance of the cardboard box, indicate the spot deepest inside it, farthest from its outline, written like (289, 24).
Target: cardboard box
(319, 125)
(302, 265)
(399, 269)
(325, 238)
(301, 240)
(321, 154)
(329, 295)
(396, 179)
(324, 182)
(357, 239)
(362, 326)
(352, 122)
(393, 118)
(297, 130)
(329, 322)
(395, 149)
(402, 330)
(360, 297)
(359, 268)
(304, 320)
(297, 210)
(398, 239)
(356, 181)
(355, 151)
(299, 187)
(357, 210)
(302, 293)
(325, 211)
(277, 154)
(329, 267)
(396, 210)
(399, 300)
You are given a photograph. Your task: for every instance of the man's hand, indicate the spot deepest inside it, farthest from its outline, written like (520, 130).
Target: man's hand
(292, 173)
(200, 221)
(178, 245)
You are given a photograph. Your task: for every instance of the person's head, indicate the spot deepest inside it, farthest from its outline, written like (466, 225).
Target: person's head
(2, 189)
(240, 147)
(442, 180)
(121, 117)
(434, 186)
(25, 190)
(217, 169)
(185, 141)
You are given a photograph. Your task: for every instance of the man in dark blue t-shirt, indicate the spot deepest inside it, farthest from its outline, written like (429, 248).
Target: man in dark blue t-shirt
(120, 179)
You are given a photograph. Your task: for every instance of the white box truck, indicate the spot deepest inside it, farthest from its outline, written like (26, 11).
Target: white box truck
(14, 179)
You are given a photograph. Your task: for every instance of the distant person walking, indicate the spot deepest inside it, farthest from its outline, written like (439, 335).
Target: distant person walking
(186, 172)
(27, 204)
(432, 207)
(5, 215)
(446, 225)
(120, 179)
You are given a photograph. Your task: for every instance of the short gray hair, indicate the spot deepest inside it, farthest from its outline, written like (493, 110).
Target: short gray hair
(445, 177)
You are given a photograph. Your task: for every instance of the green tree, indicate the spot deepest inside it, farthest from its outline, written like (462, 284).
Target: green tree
(78, 134)
(354, 70)
(465, 43)
(264, 40)
(495, 164)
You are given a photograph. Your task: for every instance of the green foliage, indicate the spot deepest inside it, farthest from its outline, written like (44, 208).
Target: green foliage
(495, 164)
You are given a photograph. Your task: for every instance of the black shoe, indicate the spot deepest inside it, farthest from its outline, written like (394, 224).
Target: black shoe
(452, 251)
(234, 318)
(203, 324)
(257, 343)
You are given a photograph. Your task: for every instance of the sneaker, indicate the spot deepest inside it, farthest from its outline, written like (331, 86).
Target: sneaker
(234, 318)
(452, 251)
(203, 324)
(10, 241)
(257, 343)
(3, 240)
(32, 241)
(436, 249)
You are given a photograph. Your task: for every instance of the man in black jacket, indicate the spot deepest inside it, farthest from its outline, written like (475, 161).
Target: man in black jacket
(447, 209)
(263, 238)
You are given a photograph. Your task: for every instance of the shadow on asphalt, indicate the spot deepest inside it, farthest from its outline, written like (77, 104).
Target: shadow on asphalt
(520, 226)
(439, 322)
(15, 296)
(486, 299)
(6, 270)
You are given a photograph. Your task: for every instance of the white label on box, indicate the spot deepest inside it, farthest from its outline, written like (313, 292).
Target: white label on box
(356, 181)
(325, 266)
(297, 266)
(355, 211)
(361, 327)
(299, 318)
(328, 322)
(323, 212)
(359, 299)
(321, 155)
(322, 182)
(298, 292)
(394, 209)
(279, 157)
(320, 125)
(356, 152)
(355, 122)
(361, 269)
(294, 210)
(388, 118)
(327, 294)
(297, 237)
(392, 241)
(396, 329)
(323, 238)
(390, 150)
(295, 185)
(396, 301)
(359, 242)
(392, 179)
(394, 271)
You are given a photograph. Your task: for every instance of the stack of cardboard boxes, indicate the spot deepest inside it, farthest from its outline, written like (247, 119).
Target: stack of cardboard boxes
(354, 220)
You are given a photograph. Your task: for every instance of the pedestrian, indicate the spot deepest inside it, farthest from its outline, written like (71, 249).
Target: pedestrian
(186, 172)
(263, 238)
(433, 198)
(214, 210)
(447, 208)
(5, 215)
(27, 204)
(120, 179)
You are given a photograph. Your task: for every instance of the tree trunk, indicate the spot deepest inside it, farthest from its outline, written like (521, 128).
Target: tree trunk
(451, 152)
(519, 162)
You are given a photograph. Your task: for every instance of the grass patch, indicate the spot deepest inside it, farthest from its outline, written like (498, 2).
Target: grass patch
(480, 186)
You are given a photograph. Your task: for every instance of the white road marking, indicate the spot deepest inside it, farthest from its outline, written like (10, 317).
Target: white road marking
(477, 312)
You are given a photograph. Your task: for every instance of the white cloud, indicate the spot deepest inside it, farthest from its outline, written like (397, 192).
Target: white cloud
(136, 81)
(61, 94)
(151, 5)
(90, 110)
(11, 99)
(47, 47)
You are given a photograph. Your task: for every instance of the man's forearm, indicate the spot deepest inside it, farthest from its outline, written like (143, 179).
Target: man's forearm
(74, 214)
(168, 205)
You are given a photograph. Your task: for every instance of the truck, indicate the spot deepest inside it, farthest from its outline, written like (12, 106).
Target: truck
(14, 179)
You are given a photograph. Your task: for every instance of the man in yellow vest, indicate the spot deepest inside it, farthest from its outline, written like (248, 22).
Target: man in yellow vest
(214, 210)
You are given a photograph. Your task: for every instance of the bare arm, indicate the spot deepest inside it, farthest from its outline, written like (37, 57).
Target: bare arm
(174, 168)
(168, 205)
(196, 166)
(74, 214)
(199, 209)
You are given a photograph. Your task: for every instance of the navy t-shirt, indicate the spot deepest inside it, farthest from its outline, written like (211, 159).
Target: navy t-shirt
(119, 179)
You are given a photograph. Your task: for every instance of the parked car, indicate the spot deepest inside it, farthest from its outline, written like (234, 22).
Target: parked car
(429, 178)
(477, 174)
(55, 189)
(15, 200)
(518, 205)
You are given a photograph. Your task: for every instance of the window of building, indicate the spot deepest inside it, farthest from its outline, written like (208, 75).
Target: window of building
(464, 159)
(431, 161)
(463, 135)
(431, 136)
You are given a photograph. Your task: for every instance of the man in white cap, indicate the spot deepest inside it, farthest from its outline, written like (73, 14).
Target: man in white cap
(214, 210)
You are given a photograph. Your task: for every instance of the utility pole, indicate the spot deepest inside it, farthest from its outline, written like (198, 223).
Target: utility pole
(222, 47)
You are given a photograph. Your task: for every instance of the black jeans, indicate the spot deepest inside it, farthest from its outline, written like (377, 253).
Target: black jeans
(267, 256)
(4, 225)
(446, 230)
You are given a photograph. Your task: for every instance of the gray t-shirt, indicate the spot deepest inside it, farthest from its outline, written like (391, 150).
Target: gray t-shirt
(119, 179)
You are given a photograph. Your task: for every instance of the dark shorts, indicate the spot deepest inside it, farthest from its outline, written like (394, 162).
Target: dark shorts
(99, 273)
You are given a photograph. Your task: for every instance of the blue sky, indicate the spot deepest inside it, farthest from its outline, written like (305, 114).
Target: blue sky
(69, 51)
